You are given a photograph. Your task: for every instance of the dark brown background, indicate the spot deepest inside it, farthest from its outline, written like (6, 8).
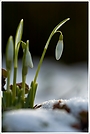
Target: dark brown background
(39, 20)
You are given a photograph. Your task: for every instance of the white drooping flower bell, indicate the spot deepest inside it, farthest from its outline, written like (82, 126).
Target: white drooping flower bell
(59, 48)
(28, 58)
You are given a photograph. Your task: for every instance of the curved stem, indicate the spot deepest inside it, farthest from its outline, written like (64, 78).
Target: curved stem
(46, 46)
(39, 65)
(43, 54)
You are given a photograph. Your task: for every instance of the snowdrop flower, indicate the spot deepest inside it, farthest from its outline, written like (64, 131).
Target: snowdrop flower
(9, 52)
(59, 48)
(28, 58)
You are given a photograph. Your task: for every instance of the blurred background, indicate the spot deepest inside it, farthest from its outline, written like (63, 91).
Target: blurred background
(39, 20)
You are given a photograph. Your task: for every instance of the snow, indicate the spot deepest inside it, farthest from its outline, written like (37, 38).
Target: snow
(48, 104)
(45, 118)
(38, 121)
(77, 104)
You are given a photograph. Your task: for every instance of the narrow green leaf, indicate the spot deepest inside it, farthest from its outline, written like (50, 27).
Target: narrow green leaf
(30, 97)
(35, 88)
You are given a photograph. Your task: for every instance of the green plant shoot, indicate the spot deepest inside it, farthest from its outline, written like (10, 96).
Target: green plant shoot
(14, 96)
(17, 45)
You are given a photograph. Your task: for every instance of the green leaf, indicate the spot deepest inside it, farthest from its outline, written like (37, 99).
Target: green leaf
(19, 33)
(7, 97)
(30, 98)
(35, 88)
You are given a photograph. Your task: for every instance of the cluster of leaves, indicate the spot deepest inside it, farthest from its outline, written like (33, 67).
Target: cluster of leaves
(14, 95)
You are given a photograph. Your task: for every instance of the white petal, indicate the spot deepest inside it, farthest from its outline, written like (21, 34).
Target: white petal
(28, 59)
(10, 49)
(59, 49)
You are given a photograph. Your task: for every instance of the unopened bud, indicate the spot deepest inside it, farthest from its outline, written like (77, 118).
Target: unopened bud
(9, 52)
(59, 48)
(28, 58)
(19, 33)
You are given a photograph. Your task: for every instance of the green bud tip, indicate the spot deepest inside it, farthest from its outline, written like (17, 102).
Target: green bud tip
(61, 37)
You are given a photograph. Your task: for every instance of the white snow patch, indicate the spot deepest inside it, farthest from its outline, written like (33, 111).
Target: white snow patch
(39, 120)
(77, 105)
(48, 104)
(45, 119)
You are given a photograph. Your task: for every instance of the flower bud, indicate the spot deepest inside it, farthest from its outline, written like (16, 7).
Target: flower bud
(59, 48)
(28, 58)
(19, 33)
(9, 52)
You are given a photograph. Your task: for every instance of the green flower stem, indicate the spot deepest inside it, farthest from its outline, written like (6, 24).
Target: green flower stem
(15, 68)
(23, 86)
(46, 46)
(42, 57)
(8, 80)
(17, 45)
(38, 69)
(15, 71)
(33, 89)
(43, 54)
(39, 65)
(14, 83)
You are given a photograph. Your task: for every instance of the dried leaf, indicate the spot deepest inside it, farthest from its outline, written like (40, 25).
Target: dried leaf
(20, 86)
(4, 73)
